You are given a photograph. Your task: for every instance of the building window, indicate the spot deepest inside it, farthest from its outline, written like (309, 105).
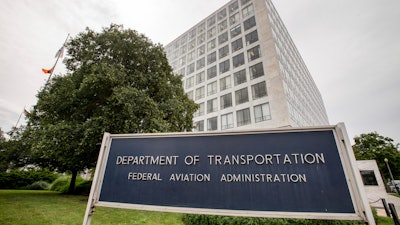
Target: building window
(262, 112)
(248, 11)
(256, 71)
(244, 2)
(189, 82)
(243, 117)
(212, 88)
(212, 105)
(191, 56)
(236, 30)
(212, 124)
(211, 45)
(226, 101)
(192, 34)
(368, 177)
(211, 21)
(240, 77)
(201, 39)
(200, 93)
(224, 66)
(190, 95)
(259, 90)
(200, 63)
(251, 37)
(201, 28)
(211, 72)
(201, 50)
(238, 60)
(212, 57)
(199, 125)
(222, 26)
(200, 77)
(223, 38)
(200, 111)
(241, 96)
(224, 51)
(233, 7)
(234, 19)
(237, 45)
(225, 83)
(249, 23)
(191, 45)
(227, 121)
(183, 49)
(222, 14)
(182, 61)
(211, 33)
(190, 68)
(253, 53)
(182, 71)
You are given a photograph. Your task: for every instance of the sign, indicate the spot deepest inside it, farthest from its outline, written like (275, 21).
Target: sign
(283, 173)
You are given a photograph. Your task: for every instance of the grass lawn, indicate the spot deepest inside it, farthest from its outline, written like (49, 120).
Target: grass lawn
(20, 207)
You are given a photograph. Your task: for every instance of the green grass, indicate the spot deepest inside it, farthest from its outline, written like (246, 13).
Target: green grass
(47, 207)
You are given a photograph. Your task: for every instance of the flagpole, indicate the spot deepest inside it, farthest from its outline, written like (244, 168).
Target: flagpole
(58, 57)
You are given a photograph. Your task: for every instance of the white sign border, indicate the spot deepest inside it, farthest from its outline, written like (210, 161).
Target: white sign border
(362, 209)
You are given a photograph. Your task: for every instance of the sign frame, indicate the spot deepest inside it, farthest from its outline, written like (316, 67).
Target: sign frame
(353, 178)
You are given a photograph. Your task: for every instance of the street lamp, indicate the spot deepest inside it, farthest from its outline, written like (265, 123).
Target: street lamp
(391, 176)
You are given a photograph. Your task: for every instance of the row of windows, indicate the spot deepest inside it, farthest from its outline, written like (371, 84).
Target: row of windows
(258, 90)
(239, 77)
(220, 18)
(261, 113)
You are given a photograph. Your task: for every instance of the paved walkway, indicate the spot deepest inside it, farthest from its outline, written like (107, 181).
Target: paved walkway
(389, 199)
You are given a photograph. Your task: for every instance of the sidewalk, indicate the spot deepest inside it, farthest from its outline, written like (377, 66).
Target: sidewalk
(389, 199)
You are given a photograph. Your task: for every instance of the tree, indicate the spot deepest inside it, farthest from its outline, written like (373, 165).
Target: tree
(374, 146)
(117, 81)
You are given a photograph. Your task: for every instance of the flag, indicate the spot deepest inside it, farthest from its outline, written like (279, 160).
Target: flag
(60, 52)
(50, 71)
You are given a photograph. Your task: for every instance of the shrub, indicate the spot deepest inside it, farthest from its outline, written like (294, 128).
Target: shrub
(18, 179)
(83, 188)
(38, 185)
(61, 184)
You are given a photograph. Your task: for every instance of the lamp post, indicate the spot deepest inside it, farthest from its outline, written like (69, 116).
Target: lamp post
(391, 176)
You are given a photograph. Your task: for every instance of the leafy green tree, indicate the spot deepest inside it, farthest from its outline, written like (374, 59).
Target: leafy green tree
(118, 81)
(374, 146)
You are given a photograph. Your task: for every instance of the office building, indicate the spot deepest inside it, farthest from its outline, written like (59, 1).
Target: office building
(241, 67)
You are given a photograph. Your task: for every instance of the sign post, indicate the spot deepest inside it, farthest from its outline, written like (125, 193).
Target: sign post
(285, 173)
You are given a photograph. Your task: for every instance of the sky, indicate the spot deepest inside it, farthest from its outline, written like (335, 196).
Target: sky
(351, 48)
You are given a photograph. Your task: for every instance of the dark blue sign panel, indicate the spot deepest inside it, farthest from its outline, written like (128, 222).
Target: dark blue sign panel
(283, 172)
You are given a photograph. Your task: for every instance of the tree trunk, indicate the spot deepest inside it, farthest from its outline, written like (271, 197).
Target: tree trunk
(71, 189)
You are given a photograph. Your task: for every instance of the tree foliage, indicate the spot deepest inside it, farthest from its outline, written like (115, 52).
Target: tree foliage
(118, 81)
(374, 146)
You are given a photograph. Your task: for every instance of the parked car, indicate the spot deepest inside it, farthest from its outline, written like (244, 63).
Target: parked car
(392, 187)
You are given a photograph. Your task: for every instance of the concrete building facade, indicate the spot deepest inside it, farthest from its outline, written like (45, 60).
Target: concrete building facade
(242, 68)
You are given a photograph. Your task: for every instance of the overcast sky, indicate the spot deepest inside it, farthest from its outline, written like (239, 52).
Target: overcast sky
(351, 48)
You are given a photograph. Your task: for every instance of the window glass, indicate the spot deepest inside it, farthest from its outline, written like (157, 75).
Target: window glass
(211, 72)
(212, 88)
(237, 45)
(211, 45)
(259, 90)
(368, 177)
(256, 71)
(222, 26)
(183, 49)
(253, 53)
(227, 121)
(224, 66)
(201, 28)
(233, 7)
(211, 21)
(199, 126)
(226, 101)
(244, 2)
(190, 69)
(182, 61)
(225, 83)
(249, 23)
(236, 30)
(262, 112)
(222, 14)
(238, 60)
(212, 57)
(200, 93)
(251, 37)
(248, 11)
(241, 96)
(243, 117)
(201, 50)
(200, 63)
(201, 39)
(191, 55)
(200, 111)
(211, 33)
(212, 124)
(223, 38)
(212, 105)
(240, 77)
(200, 77)
(190, 95)
(189, 82)
(234, 19)
(224, 51)
(191, 45)
(192, 34)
